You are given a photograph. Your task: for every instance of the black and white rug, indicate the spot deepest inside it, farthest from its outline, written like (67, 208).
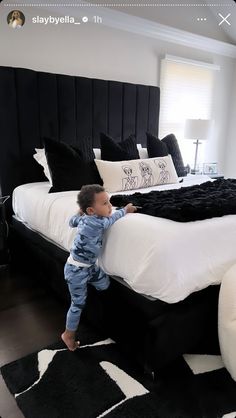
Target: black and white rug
(98, 381)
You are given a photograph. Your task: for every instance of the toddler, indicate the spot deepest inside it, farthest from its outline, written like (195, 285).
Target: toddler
(94, 218)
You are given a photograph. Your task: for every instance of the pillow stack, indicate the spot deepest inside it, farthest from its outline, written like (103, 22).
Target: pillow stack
(69, 167)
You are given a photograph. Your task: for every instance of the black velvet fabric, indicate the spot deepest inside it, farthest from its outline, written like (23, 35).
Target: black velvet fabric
(204, 201)
(36, 105)
(118, 151)
(156, 147)
(173, 149)
(168, 145)
(68, 169)
(86, 148)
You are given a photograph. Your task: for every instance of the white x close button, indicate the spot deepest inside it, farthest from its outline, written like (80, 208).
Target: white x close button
(224, 19)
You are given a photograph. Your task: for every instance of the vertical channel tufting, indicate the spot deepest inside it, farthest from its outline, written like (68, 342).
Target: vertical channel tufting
(76, 109)
(48, 105)
(108, 110)
(9, 152)
(115, 109)
(84, 101)
(136, 114)
(100, 109)
(147, 128)
(122, 118)
(17, 127)
(129, 110)
(34, 105)
(38, 110)
(92, 114)
(17, 112)
(142, 114)
(154, 109)
(57, 110)
(66, 108)
(27, 103)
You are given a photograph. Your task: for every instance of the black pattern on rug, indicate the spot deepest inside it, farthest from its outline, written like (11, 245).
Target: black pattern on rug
(98, 380)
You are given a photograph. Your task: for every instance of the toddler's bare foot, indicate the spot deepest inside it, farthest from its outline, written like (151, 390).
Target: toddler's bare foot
(69, 340)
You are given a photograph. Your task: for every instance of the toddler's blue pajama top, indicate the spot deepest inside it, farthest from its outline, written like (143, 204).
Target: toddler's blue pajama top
(81, 267)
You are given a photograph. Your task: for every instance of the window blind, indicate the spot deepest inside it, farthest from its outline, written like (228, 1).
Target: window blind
(186, 93)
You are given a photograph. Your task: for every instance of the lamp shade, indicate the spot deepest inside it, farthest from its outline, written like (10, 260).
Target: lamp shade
(197, 128)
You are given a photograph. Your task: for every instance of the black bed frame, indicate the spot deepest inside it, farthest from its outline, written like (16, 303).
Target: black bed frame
(34, 105)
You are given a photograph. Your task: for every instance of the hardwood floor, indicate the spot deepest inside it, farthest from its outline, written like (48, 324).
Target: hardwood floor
(30, 319)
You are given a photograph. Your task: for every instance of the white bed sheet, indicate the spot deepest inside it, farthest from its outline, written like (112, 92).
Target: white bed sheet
(164, 259)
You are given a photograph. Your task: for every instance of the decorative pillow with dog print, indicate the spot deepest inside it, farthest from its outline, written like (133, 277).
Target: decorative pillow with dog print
(136, 174)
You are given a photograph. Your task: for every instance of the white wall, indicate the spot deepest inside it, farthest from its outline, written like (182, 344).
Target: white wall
(88, 50)
(96, 51)
(230, 150)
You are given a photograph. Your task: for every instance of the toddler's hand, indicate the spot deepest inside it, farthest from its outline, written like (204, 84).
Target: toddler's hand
(130, 208)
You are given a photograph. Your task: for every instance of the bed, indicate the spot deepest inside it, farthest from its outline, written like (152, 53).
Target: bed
(35, 105)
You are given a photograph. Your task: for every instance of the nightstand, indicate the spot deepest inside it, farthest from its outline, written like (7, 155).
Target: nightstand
(4, 251)
(216, 176)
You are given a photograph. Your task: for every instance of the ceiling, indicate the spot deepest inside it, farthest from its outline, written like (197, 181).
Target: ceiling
(186, 16)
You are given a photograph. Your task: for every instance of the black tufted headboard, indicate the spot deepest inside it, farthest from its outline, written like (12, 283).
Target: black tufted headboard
(34, 105)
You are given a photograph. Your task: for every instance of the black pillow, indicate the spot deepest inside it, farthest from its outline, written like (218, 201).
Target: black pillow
(118, 151)
(68, 169)
(174, 150)
(86, 147)
(168, 145)
(155, 147)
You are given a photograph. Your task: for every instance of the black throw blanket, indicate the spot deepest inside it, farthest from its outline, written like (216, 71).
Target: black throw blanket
(193, 203)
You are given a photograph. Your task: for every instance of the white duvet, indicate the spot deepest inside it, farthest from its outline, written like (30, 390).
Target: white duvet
(165, 259)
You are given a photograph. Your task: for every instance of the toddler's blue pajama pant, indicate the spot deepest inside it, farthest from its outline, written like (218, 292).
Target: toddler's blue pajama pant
(77, 279)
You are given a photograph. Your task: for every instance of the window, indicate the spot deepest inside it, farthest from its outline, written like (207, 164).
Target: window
(186, 93)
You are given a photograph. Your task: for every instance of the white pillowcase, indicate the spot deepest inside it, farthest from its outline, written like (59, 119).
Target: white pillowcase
(97, 153)
(142, 151)
(40, 157)
(143, 154)
(135, 174)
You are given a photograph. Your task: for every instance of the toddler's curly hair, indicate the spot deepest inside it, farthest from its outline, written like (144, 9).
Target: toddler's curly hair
(87, 194)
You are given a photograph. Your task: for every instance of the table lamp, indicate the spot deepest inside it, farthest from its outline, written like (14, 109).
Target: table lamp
(197, 129)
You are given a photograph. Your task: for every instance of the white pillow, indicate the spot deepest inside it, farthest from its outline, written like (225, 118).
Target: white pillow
(135, 174)
(143, 153)
(40, 157)
(97, 153)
